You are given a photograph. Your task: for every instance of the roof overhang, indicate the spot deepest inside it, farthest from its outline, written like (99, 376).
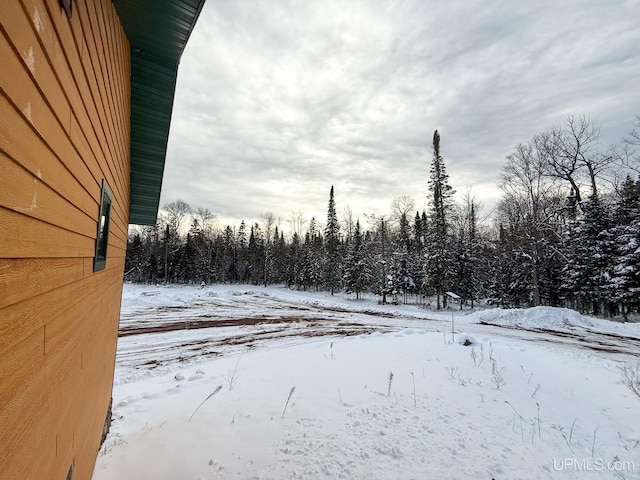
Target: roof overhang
(158, 31)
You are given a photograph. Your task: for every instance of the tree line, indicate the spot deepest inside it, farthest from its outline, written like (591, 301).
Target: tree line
(565, 232)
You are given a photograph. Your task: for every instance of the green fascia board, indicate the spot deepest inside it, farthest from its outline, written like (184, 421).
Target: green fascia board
(158, 31)
(151, 108)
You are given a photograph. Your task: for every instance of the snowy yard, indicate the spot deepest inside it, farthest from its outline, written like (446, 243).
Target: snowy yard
(381, 392)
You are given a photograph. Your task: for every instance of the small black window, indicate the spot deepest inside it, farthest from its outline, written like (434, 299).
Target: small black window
(102, 239)
(67, 5)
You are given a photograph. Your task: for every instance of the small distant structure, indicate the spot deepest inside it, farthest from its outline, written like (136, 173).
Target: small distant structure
(453, 296)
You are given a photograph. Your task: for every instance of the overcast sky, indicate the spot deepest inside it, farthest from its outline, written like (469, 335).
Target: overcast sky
(278, 100)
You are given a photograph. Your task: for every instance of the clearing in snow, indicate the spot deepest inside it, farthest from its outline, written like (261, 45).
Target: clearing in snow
(267, 383)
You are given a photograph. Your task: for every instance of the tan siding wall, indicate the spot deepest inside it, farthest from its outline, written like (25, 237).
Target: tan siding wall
(64, 126)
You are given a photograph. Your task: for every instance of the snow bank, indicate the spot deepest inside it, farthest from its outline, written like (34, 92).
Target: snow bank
(536, 317)
(549, 318)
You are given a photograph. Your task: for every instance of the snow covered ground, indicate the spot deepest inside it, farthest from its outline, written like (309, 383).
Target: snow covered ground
(381, 392)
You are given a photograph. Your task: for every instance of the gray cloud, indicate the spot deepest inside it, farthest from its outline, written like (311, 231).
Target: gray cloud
(278, 100)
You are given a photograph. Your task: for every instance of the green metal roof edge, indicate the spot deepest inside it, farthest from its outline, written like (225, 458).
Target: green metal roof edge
(151, 111)
(158, 31)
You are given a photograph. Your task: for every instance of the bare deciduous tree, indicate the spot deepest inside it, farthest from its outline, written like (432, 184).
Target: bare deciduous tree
(571, 152)
(627, 154)
(529, 205)
(205, 220)
(348, 222)
(402, 207)
(270, 222)
(297, 222)
(175, 214)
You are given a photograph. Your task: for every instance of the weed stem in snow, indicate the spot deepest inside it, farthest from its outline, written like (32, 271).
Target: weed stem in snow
(519, 416)
(293, 389)
(413, 379)
(535, 391)
(232, 377)
(571, 431)
(218, 388)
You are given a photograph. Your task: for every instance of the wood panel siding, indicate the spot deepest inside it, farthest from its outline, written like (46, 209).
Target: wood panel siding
(64, 127)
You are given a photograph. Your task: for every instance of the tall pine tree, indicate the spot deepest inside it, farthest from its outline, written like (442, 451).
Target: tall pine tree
(438, 256)
(332, 245)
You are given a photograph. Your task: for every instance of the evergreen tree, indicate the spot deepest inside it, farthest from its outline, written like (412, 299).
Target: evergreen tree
(279, 263)
(625, 275)
(462, 275)
(589, 256)
(379, 251)
(168, 250)
(418, 233)
(510, 283)
(405, 239)
(242, 259)
(155, 264)
(464, 251)
(332, 245)
(415, 261)
(485, 260)
(228, 256)
(256, 252)
(135, 259)
(269, 258)
(628, 204)
(399, 281)
(186, 264)
(294, 261)
(203, 247)
(357, 271)
(497, 289)
(438, 257)
(470, 284)
(311, 266)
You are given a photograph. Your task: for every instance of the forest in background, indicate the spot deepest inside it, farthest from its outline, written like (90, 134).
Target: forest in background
(565, 232)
